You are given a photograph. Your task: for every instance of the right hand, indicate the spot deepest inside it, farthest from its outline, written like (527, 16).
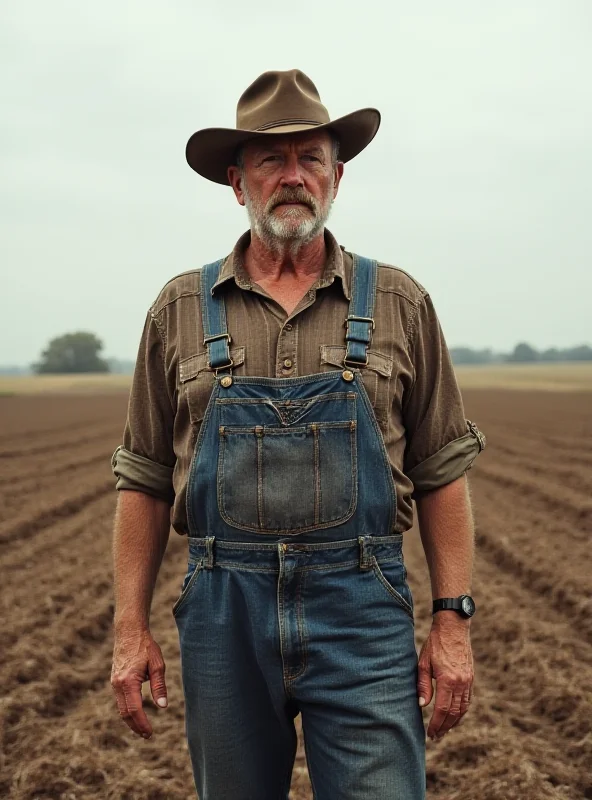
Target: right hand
(137, 658)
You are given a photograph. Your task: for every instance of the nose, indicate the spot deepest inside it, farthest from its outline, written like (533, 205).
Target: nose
(291, 172)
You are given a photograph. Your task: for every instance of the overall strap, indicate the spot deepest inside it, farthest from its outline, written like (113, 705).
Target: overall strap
(213, 316)
(360, 319)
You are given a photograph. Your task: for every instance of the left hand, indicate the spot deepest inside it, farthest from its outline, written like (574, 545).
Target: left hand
(446, 656)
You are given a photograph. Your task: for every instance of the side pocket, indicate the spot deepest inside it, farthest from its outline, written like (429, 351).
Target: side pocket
(392, 576)
(193, 570)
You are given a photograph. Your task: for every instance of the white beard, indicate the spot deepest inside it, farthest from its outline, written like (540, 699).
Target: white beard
(296, 226)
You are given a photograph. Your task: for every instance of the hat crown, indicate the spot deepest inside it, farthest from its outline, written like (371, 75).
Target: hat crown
(278, 98)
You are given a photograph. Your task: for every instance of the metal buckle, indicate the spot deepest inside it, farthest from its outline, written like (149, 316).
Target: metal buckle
(355, 364)
(216, 370)
(353, 318)
(216, 337)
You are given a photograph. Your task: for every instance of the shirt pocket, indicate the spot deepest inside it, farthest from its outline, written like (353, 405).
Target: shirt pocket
(196, 381)
(376, 376)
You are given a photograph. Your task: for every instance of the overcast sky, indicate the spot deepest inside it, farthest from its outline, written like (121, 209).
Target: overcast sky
(479, 182)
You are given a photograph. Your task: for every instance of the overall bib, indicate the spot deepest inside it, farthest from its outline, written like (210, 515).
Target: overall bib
(296, 598)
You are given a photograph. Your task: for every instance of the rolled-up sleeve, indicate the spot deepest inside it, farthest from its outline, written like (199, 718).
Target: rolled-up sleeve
(146, 459)
(441, 443)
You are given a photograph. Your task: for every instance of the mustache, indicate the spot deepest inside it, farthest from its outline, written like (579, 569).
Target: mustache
(297, 195)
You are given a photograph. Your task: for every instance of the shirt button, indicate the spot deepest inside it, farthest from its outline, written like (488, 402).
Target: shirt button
(287, 363)
(287, 327)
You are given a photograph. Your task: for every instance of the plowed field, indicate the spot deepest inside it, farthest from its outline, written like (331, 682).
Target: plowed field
(529, 732)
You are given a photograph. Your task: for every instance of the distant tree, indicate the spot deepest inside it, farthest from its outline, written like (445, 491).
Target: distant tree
(581, 353)
(552, 354)
(466, 355)
(72, 352)
(523, 353)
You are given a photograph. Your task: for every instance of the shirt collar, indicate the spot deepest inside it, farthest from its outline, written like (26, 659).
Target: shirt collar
(335, 266)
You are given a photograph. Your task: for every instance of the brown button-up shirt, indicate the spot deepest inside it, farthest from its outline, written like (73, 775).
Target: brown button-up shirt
(409, 378)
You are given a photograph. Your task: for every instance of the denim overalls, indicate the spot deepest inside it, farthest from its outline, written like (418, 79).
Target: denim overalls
(295, 598)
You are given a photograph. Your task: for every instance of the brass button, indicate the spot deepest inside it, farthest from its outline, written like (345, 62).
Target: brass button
(287, 363)
(226, 381)
(347, 375)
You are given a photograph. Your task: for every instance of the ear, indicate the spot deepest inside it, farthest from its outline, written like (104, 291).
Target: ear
(337, 176)
(236, 181)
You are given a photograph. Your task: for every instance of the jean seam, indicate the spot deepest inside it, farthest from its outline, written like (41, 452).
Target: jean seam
(185, 593)
(390, 589)
(311, 568)
(301, 631)
(195, 457)
(340, 544)
(374, 422)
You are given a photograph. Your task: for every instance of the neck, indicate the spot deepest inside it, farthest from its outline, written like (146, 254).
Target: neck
(299, 261)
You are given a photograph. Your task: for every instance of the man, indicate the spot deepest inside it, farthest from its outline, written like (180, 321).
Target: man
(287, 402)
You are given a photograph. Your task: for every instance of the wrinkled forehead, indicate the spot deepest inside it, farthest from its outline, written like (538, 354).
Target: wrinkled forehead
(288, 142)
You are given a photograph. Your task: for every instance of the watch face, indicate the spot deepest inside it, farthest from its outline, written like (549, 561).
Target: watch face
(468, 606)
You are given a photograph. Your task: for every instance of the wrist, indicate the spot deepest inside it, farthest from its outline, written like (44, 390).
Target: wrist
(450, 619)
(125, 625)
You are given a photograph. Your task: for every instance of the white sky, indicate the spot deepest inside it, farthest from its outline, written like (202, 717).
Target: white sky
(479, 181)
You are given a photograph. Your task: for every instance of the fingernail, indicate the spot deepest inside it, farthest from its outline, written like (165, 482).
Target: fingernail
(162, 702)
(422, 701)
(146, 735)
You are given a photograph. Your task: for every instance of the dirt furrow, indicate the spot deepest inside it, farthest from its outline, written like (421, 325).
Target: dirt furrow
(529, 733)
(574, 507)
(94, 434)
(43, 515)
(52, 465)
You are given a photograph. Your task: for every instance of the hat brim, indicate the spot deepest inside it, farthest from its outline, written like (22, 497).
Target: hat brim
(212, 150)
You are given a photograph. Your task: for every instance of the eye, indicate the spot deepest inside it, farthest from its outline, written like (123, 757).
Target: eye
(309, 157)
(270, 158)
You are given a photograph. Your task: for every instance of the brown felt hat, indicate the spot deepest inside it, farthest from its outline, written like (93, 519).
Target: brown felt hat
(277, 103)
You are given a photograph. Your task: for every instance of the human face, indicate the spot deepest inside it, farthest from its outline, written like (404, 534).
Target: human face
(288, 184)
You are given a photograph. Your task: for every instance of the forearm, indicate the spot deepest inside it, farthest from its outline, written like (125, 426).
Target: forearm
(447, 534)
(139, 542)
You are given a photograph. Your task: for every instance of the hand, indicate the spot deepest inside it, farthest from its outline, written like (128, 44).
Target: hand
(446, 656)
(137, 658)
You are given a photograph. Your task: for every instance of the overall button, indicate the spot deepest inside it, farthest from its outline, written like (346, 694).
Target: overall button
(226, 381)
(347, 375)
(287, 363)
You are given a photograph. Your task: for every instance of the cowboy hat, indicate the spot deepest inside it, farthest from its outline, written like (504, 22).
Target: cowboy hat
(277, 103)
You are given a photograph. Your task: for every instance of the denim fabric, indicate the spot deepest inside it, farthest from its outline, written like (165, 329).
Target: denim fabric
(283, 456)
(326, 629)
(296, 598)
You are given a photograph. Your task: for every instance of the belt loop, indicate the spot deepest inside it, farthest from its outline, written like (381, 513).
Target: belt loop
(365, 543)
(209, 560)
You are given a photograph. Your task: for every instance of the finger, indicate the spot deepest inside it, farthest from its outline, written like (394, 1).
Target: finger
(156, 670)
(124, 713)
(133, 702)
(465, 701)
(424, 684)
(454, 714)
(441, 706)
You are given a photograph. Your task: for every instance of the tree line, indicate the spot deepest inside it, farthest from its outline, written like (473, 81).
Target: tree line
(523, 353)
(80, 351)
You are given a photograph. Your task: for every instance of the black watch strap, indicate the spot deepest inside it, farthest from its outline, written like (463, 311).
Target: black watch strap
(446, 604)
(463, 605)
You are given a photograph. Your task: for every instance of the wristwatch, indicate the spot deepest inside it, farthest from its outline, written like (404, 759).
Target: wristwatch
(463, 605)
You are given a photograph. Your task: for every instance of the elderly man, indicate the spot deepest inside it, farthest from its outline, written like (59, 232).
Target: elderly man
(288, 402)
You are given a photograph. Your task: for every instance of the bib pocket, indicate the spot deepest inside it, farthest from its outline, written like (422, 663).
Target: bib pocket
(376, 377)
(196, 381)
(288, 479)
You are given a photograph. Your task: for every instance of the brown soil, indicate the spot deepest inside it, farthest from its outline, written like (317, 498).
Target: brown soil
(529, 732)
